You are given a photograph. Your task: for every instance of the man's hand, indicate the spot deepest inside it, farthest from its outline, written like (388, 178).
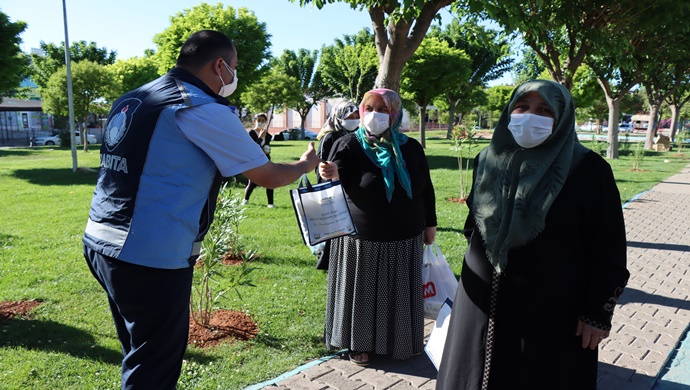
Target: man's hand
(309, 158)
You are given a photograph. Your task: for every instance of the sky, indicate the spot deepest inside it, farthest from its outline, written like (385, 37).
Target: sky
(128, 26)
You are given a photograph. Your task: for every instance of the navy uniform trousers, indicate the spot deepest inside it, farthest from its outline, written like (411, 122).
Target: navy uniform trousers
(150, 307)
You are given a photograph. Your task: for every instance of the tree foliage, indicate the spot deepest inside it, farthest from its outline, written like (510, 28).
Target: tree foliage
(561, 32)
(54, 57)
(302, 67)
(349, 66)
(496, 99)
(399, 27)
(433, 70)
(530, 67)
(273, 91)
(489, 52)
(13, 63)
(680, 95)
(663, 58)
(241, 25)
(132, 73)
(91, 83)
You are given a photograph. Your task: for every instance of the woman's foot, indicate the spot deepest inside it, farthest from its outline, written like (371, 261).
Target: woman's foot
(359, 358)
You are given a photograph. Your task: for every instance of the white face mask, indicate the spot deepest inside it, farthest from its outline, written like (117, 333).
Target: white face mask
(227, 89)
(260, 125)
(376, 122)
(350, 124)
(530, 130)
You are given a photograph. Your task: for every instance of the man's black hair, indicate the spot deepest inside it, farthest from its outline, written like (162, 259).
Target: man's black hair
(203, 47)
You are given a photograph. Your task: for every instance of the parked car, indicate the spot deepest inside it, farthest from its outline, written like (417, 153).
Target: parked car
(55, 139)
(625, 127)
(622, 128)
(308, 134)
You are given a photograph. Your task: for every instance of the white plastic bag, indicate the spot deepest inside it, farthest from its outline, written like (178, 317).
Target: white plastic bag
(438, 281)
(437, 338)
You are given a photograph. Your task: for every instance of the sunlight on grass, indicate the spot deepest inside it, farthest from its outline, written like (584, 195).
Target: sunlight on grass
(70, 341)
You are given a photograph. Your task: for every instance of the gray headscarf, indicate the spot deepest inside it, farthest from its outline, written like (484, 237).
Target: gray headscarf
(515, 187)
(341, 111)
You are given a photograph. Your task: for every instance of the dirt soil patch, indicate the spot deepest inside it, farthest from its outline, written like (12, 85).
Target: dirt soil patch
(12, 309)
(225, 326)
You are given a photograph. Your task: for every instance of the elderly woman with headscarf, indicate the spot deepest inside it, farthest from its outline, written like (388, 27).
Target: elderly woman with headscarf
(546, 260)
(343, 120)
(374, 303)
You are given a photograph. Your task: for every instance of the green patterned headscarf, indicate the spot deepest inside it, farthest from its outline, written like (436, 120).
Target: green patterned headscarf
(384, 151)
(515, 187)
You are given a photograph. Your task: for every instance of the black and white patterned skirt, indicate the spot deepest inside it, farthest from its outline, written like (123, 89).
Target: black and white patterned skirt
(375, 299)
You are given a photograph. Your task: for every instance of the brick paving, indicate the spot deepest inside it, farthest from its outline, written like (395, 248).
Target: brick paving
(652, 314)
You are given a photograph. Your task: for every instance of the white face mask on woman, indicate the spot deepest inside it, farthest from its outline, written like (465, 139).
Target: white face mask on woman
(376, 122)
(530, 130)
(350, 124)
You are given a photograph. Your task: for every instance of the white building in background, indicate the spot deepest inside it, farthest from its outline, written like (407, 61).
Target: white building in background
(316, 118)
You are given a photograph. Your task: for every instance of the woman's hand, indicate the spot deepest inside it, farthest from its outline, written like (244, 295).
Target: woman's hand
(591, 336)
(328, 171)
(429, 234)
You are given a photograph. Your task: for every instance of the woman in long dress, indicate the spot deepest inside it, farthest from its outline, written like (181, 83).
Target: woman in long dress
(546, 260)
(374, 303)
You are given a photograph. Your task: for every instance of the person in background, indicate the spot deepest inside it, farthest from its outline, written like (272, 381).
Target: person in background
(261, 136)
(167, 145)
(374, 302)
(546, 260)
(343, 120)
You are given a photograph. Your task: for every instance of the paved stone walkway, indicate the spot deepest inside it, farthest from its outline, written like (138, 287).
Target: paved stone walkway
(652, 314)
(654, 310)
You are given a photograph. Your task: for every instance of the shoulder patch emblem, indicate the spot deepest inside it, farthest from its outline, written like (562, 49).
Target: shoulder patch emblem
(119, 121)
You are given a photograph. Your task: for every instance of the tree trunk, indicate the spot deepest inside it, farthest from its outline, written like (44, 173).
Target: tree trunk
(84, 136)
(612, 137)
(422, 123)
(651, 127)
(303, 117)
(451, 121)
(674, 121)
(395, 43)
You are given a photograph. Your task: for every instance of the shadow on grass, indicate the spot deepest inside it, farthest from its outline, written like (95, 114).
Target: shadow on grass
(17, 152)
(50, 336)
(449, 229)
(56, 176)
(445, 162)
(5, 239)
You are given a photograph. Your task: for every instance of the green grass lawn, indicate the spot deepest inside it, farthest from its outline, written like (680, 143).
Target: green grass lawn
(70, 340)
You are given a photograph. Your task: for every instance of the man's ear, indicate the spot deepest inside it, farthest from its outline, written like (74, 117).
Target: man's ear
(217, 65)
